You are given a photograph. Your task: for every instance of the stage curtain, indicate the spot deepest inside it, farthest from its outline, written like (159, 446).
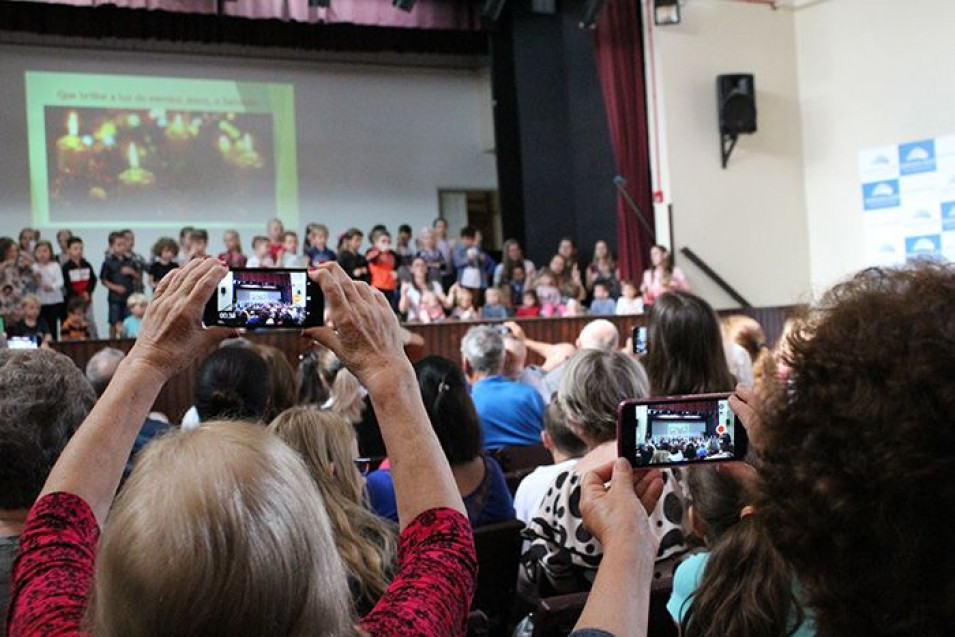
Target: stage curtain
(457, 15)
(619, 53)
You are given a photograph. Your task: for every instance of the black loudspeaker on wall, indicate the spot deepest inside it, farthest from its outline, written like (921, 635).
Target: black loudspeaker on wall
(736, 100)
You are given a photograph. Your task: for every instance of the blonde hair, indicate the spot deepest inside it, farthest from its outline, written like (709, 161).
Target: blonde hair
(136, 299)
(345, 396)
(219, 531)
(366, 543)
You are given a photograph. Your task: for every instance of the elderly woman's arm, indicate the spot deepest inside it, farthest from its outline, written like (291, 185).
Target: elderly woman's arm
(171, 338)
(367, 339)
(619, 602)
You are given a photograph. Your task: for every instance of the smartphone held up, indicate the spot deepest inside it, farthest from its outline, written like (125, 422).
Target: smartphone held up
(266, 298)
(679, 430)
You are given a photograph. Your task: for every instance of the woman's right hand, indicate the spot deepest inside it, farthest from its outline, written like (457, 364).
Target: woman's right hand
(366, 337)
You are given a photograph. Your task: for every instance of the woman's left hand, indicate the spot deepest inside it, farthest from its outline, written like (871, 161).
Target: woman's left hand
(172, 335)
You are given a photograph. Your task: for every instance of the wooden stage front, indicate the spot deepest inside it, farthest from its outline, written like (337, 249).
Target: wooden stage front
(443, 339)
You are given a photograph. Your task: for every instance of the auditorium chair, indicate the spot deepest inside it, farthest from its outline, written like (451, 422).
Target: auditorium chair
(556, 616)
(498, 549)
(513, 478)
(515, 458)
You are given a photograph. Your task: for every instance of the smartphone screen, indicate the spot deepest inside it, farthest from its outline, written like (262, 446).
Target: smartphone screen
(679, 430)
(266, 298)
(640, 340)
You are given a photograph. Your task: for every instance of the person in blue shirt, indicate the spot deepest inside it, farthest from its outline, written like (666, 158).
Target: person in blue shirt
(444, 390)
(741, 585)
(511, 413)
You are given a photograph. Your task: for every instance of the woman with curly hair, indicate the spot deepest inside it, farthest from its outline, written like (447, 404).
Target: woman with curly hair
(367, 544)
(871, 370)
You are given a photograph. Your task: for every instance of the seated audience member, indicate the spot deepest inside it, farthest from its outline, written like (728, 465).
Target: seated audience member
(75, 327)
(232, 257)
(413, 291)
(137, 304)
(32, 325)
(493, 305)
(565, 447)
(232, 498)
(462, 299)
(513, 256)
(602, 303)
(515, 364)
(444, 390)
(312, 389)
(740, 585)
(869, 369)
(99, 372)
(530, 306)
(511, 413)
(233, 383)
(685, 347)
(567, 275)
(563, 556)
(164, 260)
(629, 302)
(261, 255)
(746, 333)
(573, 308)
(43, 399)
(548, 294)
(366, 543)
(281, 380)
(599, 334)
(316, 245)
(432, 309)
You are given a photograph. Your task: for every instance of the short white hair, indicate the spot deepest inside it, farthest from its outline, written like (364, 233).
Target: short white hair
(600, 334)
(483, 347)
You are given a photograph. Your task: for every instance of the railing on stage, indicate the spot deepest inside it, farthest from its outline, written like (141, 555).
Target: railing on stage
(443, 339)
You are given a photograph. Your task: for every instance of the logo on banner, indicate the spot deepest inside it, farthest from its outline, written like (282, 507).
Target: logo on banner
(881, 194)
(948, 215)
(925, 247)
(917, 157)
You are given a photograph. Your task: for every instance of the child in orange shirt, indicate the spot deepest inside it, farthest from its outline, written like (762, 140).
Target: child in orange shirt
(383, 267)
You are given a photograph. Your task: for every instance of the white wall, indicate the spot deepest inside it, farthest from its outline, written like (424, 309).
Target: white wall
(748, 221)
(374, 143)
(870, 74)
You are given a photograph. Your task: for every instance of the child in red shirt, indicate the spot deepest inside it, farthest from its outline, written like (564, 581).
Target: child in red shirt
(383, 267)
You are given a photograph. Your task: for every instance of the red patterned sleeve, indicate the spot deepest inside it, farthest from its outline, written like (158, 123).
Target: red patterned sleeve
(53, 572)
(432, 590)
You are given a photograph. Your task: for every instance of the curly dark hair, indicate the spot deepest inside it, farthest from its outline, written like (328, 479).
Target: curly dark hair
(857, 457)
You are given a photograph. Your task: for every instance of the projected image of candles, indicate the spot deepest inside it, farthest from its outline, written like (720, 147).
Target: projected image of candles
(168, 164)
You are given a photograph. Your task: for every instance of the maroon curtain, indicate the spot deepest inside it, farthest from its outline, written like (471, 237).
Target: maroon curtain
(619, 51)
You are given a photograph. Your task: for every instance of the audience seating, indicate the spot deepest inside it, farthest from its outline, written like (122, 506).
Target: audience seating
(556, 616)
(513, 478)
(517, 458)
(498, 551)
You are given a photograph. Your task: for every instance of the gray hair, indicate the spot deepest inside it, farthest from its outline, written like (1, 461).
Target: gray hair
(594, 382)
(600, 334)
(102, 366)
(483, 347)
(43, 399)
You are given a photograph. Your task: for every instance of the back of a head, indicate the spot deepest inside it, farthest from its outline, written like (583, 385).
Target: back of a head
(600, 334)
(220, 531)
(233, 383)
(561, 435)
(101, 368)
(44, 398)
(444, 391)
(591, 387)
(685, 347)
(312, 388)
(746, 587)
(282, 392)
(857, 457)
(483, 347)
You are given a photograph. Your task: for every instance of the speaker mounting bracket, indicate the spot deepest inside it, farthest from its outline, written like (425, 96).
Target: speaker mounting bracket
(727, 144)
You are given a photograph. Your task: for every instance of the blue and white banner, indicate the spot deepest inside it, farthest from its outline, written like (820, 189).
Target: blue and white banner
(908, 201)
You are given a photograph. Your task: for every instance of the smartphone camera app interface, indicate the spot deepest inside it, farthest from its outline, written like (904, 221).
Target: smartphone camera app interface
(684, 432)
(253, 299)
